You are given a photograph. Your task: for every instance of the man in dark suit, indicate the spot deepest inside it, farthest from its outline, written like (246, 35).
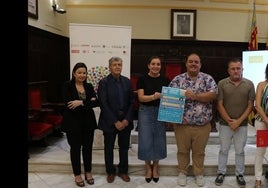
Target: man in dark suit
(116, 99)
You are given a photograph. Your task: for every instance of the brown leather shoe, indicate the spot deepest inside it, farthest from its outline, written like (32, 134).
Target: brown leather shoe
(110, 178)
(124, 177)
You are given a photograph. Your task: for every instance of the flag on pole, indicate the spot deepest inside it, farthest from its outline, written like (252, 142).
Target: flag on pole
(253, 41)
(253, 45)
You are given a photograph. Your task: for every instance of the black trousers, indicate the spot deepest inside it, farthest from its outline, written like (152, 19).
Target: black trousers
(80, 141)
(123, 143)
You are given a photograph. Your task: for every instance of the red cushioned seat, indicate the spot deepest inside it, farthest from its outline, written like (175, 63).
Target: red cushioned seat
(39, 130)
(134, 78)
(53, 119)
(47, 115)
(34, 99)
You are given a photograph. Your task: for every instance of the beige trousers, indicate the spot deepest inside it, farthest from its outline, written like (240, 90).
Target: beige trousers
(191, 143)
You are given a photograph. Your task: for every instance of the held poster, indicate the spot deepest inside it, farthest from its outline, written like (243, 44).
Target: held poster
(171, 106)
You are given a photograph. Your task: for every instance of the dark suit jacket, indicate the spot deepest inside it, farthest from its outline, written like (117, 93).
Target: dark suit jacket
(109, 103)
(83, 117)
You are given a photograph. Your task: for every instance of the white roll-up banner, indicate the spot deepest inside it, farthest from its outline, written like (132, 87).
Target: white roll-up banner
(96, 44)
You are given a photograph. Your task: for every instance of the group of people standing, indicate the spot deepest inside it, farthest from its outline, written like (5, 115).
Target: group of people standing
(115, 98)
(235, 97)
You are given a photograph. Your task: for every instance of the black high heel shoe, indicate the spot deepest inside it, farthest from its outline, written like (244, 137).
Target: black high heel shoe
(148, 180)
(155, 179)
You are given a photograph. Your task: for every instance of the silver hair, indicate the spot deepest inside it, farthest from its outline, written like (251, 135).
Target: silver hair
(112, 59)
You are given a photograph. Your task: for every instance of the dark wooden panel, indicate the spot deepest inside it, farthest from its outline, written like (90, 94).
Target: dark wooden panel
(214, 54)
(48, 60)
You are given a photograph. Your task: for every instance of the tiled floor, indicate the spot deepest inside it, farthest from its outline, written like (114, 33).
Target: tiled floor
(62, 180)
(49, 167)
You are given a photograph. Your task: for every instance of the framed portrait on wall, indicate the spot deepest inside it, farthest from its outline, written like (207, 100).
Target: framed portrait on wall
(183, 24)
(33, 8)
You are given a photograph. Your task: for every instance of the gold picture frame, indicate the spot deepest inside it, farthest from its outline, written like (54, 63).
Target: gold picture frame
(183, 24)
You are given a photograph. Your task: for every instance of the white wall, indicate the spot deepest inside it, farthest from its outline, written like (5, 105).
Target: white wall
(217, 20)
(49, 20)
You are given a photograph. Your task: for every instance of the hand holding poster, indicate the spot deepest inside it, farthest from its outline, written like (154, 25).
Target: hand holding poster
(171, 106)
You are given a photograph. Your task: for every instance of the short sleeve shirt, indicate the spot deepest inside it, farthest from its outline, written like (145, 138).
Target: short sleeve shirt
(150, 85)
(235, 98)
(195, 112)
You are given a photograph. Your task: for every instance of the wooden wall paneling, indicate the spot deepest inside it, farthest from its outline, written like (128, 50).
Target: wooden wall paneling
(214, 54)
(48, 60)
(216, 67)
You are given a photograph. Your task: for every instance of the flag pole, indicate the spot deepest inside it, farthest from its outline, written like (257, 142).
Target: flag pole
(253, 41)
